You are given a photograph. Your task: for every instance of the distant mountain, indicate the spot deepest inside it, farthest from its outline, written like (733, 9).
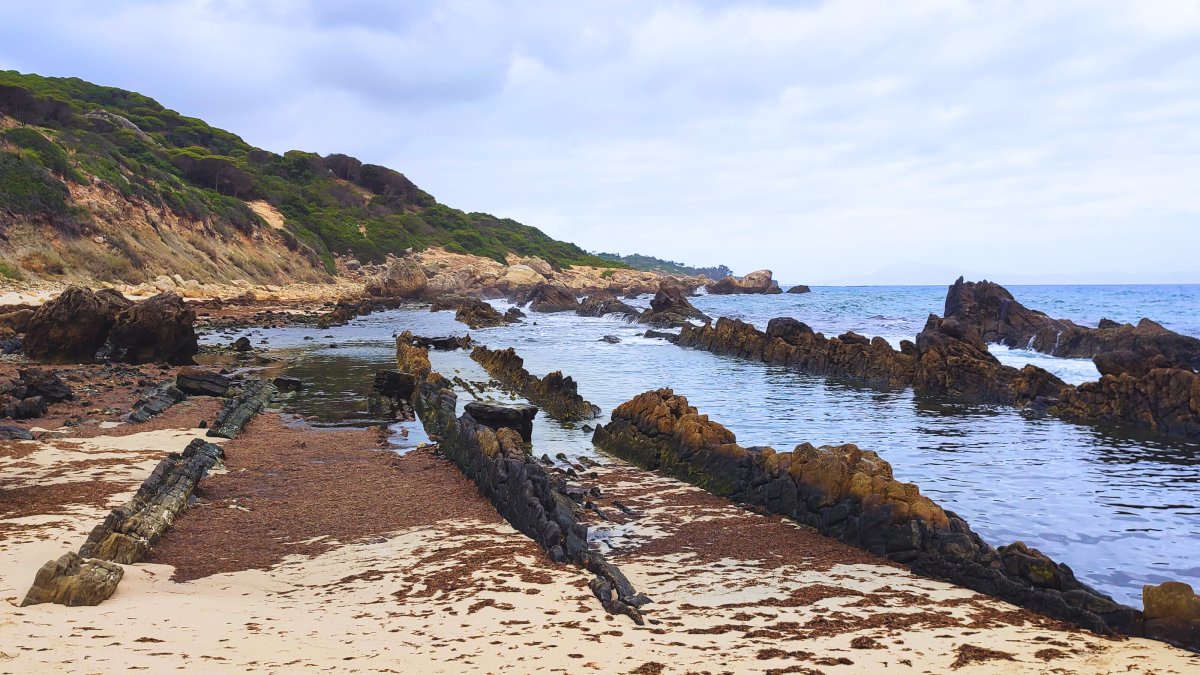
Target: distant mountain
(105, 183)
(652, 264)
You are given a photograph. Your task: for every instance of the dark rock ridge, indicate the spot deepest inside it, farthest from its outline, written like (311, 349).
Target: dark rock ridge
(759, 282)
(849, 494)
(448, 343)
(1163, 400)
(669, 308)
(389, 392)
(519, 487)
(127, 534)
(475, 312)
(202, 382)
(238, 411)
(155, 402)
(799, 288)
(555, 393)
(30, 395)
(605, 303)
(989, 312)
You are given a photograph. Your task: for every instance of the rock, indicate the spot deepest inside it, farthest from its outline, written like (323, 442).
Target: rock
(158, 329)
(74, 582)
(242, 344)
(988, 312)
(237, 412)
(661, 335)
(393, 384)
(513, 315)
(799, 288)
(669, 308)
(1163, 400)
(17, 319)
(448, 343)
(27, 408)
(522, 275)
(201, 382)
(72, 327)
(1128, 361)
(1172, 613)
(604, 303)
(610, 339)
(10, 432)
(515, 416)
(402, 279)
(41, 382)
(538, 265)
(285, 384)
(552, 298)
(155, 403)
(759, 282)
(478, 314)
(555, 393)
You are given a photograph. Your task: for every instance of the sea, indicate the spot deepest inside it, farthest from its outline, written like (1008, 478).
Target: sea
(1121, 508)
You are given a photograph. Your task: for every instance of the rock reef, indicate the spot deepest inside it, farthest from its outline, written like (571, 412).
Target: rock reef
(759, 282)
(850, 494)
(555, 393)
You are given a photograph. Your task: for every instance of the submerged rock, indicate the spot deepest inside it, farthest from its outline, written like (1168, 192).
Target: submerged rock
(603, 304)
(496, 416)
(669, 308)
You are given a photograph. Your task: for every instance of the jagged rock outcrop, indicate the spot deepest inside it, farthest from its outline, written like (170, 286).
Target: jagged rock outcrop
(72, 327)
(155, 402)
(555, 393)
(987, 311)
(1163, 400)
(799, 288)
(850, 494)
(788, 342)
(16, 317)
(74, 582)
(605, 303)
(759, 282)
(670, 308)
(446, 343)
(30, 395)
(401, 279)
(478, 314)
(551, 298)
(517, 485)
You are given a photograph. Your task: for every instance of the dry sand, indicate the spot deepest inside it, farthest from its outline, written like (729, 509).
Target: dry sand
(469, 594)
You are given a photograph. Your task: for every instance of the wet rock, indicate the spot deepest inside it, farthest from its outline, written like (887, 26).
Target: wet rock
(799, 288)
(9, 432)
(1172, 613)
(286, 384)
(990, 313)
(555, 393)
(513, 315)
(155, 403)
(1127, 361)
(72, 327)
(238, 411)
(515, 416)
(661, 335)
(202, 382)
(242, 344)
(670, 308)
(1163, 400)
(478, 314)
(448, 343)
(552, 298)
(74, 582)
(394, 384)
(16, 318)
(158, 329)
(610, 339)
(759, 282)
(402, 279)
(27, 408)
(603, 304)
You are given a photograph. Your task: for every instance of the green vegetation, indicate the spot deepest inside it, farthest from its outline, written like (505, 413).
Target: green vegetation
(652, 264)
(77, 131)
(9, 272)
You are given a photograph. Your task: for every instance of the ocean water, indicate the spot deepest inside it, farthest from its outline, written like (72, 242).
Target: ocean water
(1119, 508)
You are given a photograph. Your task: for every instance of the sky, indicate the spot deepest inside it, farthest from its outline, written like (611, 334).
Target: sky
(866, 141)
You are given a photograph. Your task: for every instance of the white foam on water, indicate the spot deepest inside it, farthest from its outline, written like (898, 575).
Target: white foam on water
(1071, 371)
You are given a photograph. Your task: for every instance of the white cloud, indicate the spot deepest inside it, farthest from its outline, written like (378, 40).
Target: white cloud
(825, 140)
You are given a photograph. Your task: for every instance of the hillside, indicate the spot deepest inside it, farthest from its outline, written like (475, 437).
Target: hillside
(652, 264)
(106, 184)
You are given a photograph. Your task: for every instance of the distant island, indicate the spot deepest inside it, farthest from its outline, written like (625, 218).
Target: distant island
(651, 264)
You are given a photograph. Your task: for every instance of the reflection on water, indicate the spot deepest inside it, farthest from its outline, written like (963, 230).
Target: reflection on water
(1120, 510)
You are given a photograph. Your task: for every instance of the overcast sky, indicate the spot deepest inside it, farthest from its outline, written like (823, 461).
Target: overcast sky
(832, 142)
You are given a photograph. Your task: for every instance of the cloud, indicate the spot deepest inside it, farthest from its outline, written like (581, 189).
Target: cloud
(825, 140)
